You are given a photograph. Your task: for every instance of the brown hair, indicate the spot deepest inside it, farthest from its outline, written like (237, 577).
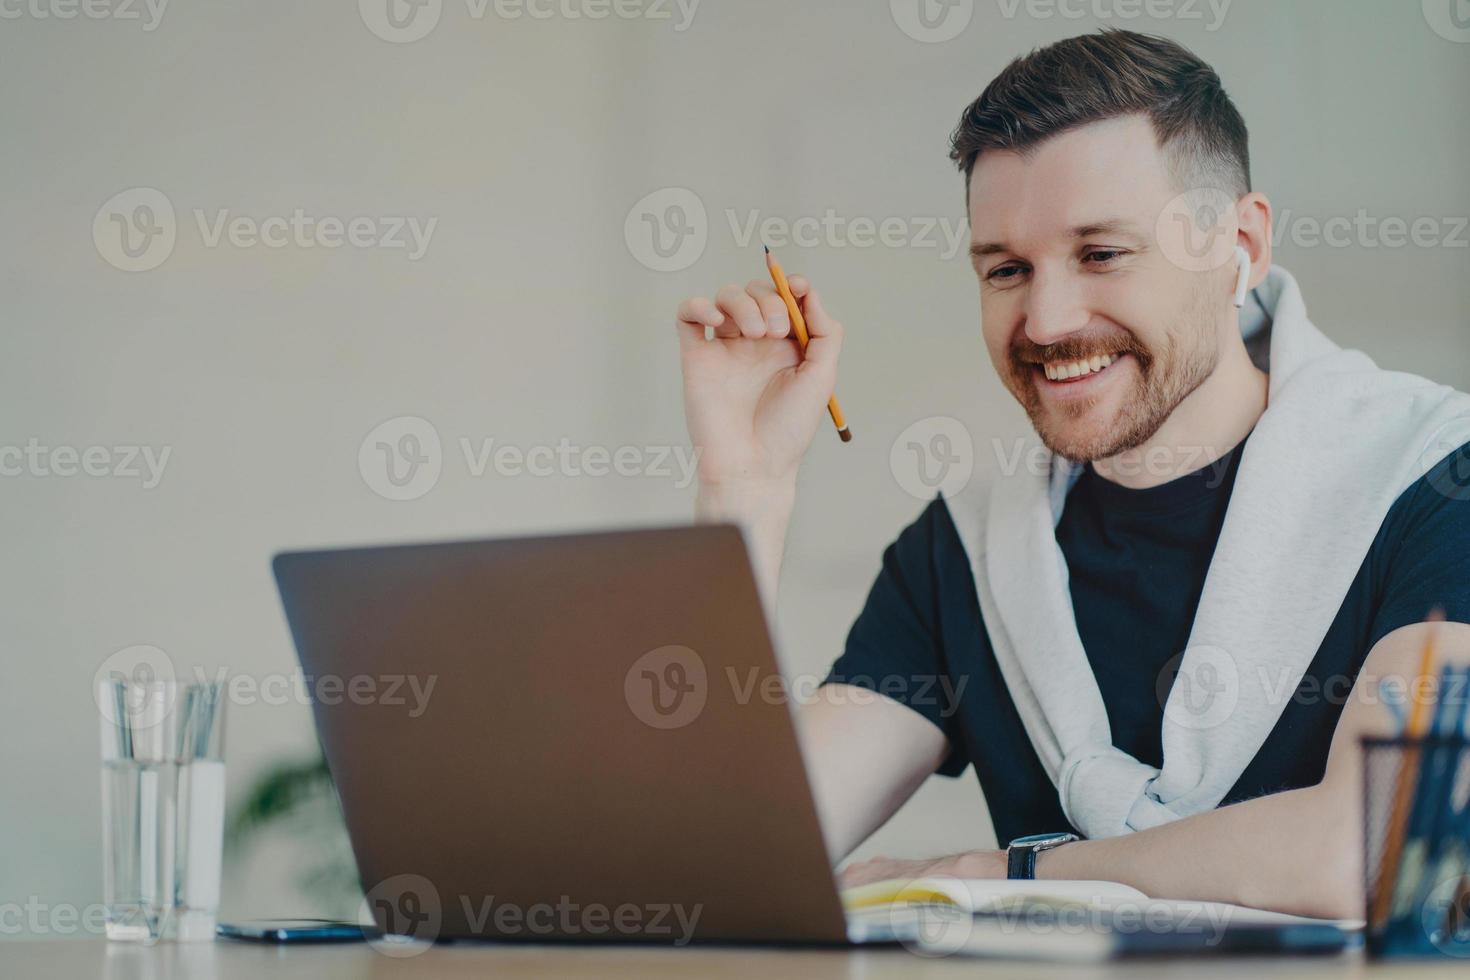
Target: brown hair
(1099, 76)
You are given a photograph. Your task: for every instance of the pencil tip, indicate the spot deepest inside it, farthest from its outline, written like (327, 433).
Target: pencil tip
(767, 248)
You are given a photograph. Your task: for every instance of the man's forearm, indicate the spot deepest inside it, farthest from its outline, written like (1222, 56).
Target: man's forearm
(1297, 851)
(763, 512)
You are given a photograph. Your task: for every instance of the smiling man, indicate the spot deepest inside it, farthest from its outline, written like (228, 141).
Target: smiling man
(1165, 640)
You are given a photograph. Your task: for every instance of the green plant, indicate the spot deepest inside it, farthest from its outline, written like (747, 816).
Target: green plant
(297, 798)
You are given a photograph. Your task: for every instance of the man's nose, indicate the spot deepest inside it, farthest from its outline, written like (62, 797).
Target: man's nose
(1054, 307)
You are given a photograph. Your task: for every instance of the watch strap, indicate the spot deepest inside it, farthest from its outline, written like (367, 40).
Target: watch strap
(1021, 854)
(1021, 863)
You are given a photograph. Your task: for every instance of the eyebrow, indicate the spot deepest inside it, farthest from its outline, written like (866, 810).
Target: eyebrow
(1107, 226)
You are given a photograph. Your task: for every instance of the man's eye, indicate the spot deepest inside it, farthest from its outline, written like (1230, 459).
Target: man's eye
(1003, 273)
(1102, 256)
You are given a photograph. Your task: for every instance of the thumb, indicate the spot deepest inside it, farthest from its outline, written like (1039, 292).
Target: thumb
(824, 332)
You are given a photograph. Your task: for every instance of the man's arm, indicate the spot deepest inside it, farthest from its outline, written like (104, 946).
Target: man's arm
(1299, 851)
(866, 754)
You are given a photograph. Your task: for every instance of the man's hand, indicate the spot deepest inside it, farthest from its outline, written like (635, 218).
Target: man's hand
(752, 400)
(753, 403)
(971, 864)
(1297, 851)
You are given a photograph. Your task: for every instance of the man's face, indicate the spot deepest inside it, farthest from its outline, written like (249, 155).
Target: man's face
(1079, 262)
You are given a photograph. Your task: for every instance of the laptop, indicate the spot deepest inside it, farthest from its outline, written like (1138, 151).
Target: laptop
(579, 737)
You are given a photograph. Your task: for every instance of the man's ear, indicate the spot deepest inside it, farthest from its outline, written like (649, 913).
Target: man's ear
(1253, 217)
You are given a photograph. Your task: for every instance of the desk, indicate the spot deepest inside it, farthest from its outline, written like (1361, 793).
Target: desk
(83, 959)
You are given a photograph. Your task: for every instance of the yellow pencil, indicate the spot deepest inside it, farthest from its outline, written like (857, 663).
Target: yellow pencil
(798, 327)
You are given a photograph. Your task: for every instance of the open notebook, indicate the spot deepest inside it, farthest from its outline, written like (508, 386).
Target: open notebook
(1082, 920)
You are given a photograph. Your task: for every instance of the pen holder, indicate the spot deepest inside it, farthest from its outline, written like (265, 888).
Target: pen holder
(1416, 821)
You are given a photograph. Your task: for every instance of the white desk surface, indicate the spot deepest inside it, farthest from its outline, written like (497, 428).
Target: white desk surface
(85, 958)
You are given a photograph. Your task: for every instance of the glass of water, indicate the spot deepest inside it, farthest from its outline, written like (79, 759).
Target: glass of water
(163, 807)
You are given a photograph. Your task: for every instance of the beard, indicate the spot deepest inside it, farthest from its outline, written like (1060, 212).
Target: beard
(1166, 376)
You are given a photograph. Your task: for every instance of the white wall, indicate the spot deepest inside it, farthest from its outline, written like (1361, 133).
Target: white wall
(529, 320)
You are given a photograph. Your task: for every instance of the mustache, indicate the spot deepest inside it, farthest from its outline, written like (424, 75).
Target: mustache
(1026, 351)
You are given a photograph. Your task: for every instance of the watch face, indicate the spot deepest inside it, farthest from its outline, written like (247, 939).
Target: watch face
(1036, 840)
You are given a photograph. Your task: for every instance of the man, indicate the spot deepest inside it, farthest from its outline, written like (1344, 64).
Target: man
(1168, 637)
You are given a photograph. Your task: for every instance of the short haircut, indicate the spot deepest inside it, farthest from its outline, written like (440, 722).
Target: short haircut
(1099, 76)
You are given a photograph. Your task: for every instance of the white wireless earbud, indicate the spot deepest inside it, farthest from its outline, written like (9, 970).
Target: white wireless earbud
(1243, 278)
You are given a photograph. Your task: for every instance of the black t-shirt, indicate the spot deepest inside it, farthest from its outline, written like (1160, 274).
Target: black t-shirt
(1137, 561)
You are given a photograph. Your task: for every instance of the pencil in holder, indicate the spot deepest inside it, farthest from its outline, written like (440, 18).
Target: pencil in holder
(1416, 810)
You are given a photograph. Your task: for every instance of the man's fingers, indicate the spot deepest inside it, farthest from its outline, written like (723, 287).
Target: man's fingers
(698, 315)
(773, 307)
(758, 311)
(866, 872)
(825, 332)
(700, 311)
(819, 322)
(740, 306)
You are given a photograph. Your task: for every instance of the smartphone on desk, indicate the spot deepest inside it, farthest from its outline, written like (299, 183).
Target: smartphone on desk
(297, 931)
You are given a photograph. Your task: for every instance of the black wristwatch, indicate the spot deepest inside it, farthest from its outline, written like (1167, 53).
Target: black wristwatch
(1021, 855)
